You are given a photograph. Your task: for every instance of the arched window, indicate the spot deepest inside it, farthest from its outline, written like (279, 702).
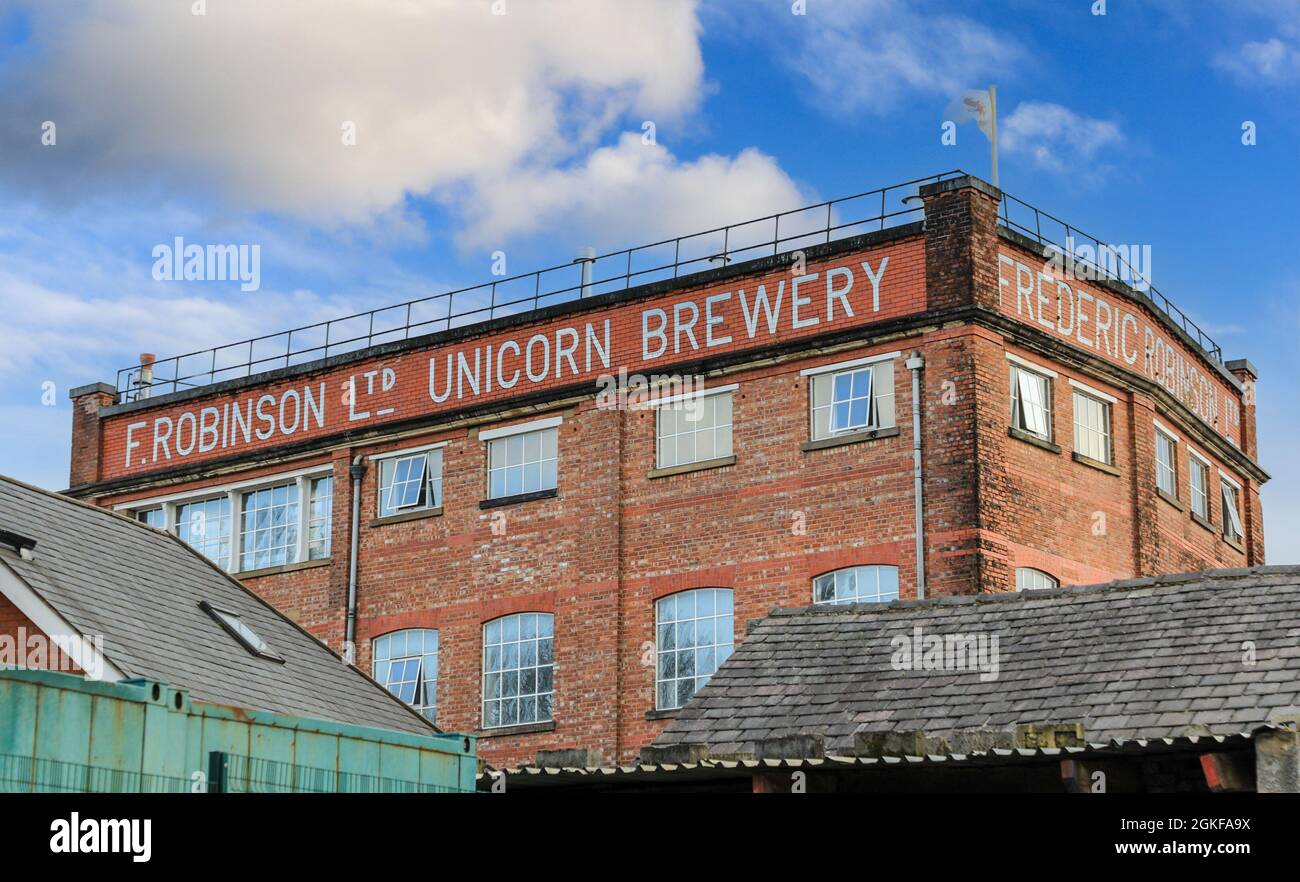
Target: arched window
(406, 662)
(694, 633)
(518, 669)
(869, 584)
(1030, 579)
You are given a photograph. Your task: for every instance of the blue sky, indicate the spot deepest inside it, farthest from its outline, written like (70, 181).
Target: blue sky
(521, 132)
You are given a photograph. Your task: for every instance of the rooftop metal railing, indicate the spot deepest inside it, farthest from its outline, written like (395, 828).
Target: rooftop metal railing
(1110, 262)
(597, 274)
(586, 277)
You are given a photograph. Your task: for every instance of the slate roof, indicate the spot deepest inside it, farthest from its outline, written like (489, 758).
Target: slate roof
(140, 588)
(1135, 659)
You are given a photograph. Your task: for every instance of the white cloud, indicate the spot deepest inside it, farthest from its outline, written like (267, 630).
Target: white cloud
(250, 99)
(632, 191)
(869, 55)
(1057, 139)
(1268, 62)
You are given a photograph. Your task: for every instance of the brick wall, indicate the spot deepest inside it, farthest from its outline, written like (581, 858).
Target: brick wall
(22, 637)
(614, 539)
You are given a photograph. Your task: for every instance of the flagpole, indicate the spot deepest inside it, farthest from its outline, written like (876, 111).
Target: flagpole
(993, 107)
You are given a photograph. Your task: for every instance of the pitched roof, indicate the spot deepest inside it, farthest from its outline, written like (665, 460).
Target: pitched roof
(1143, 658)
(140, 588)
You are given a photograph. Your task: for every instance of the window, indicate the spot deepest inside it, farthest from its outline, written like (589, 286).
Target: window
(242, 632)
(871, 584)
(522, 463)
(1031, 402)
(154, 517)
(1231, 515)
(406, 663)
(694, 634)
(1199, 474)
(205, 526)
(694, 430)
(1166, 464)
(410, 483)
(320, 518)
(1030, 579)
(1091, 427)
(853, 400)
(518, 669)
(268, 535)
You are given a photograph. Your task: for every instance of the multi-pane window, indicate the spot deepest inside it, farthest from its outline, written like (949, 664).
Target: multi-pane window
(518, 669)
(853, 400)
(268, 535)
(1166, 464)
(154, 517)
(410, 483)
(870, 584)
(694, 635)
(319, 519)
(523, 463)
(1030, 579)
(1031, 402)
(205, 526)
(406, 663)
(1199, 476)
(1231, 515)
(1091, 427)
(697, 429)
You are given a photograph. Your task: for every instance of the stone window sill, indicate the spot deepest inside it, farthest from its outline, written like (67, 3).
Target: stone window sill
(687, 468)
(525, 729)
(1095, 464)
(1202, 522)
(284, 568)
(1172, 500)
(518, 498)
(407, 516)
(1234, 543)
(850, 438)
(662, 714)
(1030, 438)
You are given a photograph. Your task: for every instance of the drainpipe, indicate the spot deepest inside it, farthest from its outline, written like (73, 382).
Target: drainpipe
(357, 470)
(914, 364)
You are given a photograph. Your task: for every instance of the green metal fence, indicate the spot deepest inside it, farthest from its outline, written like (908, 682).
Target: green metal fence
(22, 774)
(226, 773)
(234, 773)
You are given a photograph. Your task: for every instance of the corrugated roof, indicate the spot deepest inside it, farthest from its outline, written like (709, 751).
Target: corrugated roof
(140, 588)
(1138, 659)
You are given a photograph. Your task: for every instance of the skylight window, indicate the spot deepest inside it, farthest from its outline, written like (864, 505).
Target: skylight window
(238, 629)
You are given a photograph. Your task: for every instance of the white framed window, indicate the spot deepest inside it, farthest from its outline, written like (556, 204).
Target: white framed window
(522, 463)
(518, 669)
(1031, 402)
(154, 517)
(410, 482)
(1198, 476)
(320, 518)
(268, 535)
(205, 526)
(1166, 463)
(406, 664)
(1092, 433)
(1231, 495)
(1030, 579)
(241, 631)
(867, 584)
(693, 429)
(694, 634)
(855, 399)
(274, 520)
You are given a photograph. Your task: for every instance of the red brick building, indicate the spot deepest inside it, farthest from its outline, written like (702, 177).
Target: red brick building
(556, 567)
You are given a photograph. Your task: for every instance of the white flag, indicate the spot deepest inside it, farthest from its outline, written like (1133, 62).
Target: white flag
(976, 104)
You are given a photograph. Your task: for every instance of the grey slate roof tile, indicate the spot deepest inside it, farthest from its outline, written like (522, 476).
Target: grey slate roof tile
(140, 589)
(1141, 658)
